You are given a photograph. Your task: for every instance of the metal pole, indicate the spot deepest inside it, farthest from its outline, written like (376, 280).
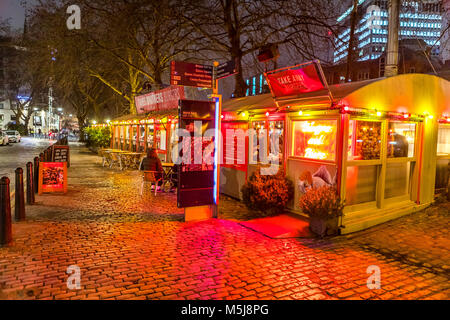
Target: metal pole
(392, 42)
(5, 212)
(19, 208)
(30, 187)
(36, 173)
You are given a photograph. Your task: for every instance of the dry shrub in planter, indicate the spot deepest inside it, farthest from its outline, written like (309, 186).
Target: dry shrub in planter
(324, 207)
(268, 194)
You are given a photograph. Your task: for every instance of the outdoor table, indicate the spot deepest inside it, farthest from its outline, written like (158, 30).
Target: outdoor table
(130, 159)
(107, 158)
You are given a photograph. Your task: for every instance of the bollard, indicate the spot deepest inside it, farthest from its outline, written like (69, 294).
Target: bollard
(30, 189)
(5, 212)
(19, 208)
(46, 155)
(41, 157)
(36, 174)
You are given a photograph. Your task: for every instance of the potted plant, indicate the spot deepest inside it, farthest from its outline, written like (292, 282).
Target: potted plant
(268, 194)
(324, 207)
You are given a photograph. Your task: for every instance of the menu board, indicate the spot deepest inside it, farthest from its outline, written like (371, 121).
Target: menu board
(196, 176)
(61, 154)
(52, 177)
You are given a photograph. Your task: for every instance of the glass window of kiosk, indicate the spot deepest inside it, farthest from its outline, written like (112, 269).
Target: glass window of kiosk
(443, 158)
(150, 135)
(364, 145)
(401, 139)
(141, 138)
(134, 136)
(258, 142)
(160, 138)
(443, 141)
(364, 140)
(276, 141)
(314, 139)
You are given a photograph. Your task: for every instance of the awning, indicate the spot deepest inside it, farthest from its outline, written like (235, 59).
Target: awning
(139, 118)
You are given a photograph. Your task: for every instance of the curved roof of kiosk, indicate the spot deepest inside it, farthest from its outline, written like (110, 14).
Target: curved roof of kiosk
(414, 93)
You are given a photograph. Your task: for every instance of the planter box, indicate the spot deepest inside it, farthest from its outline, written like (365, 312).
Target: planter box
(323, 227)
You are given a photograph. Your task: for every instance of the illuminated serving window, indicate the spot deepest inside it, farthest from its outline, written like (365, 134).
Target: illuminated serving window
(314, 139)
(443, 143)
(364, 140)
(400, 140)
(276, 141)
(268, 138)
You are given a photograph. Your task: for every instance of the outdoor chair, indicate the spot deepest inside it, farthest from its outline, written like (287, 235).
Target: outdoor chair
(149, 177)
(141, 158)
(115, 160)
(105, 157)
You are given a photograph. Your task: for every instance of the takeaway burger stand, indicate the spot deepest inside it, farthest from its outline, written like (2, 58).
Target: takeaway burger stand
(384, 143)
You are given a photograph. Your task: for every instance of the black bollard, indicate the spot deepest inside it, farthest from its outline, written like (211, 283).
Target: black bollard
(5, 212)
(19, 208)
(30, 189)
(41, 157)
(36, 174)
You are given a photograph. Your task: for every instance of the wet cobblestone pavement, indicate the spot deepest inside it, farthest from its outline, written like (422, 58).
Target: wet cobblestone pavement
(138, 247)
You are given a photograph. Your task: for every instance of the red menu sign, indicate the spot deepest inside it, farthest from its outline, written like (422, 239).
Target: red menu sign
(52, 177)
(294, 80)
(160, 100)
(191, 74)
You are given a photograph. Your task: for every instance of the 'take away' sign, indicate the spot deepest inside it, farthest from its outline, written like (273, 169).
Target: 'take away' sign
(295, 80)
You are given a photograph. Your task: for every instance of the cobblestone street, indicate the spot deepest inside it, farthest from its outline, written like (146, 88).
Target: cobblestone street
(138, 247)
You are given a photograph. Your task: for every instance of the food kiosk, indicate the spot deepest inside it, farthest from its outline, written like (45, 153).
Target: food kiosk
(155, 122)
(384, 143)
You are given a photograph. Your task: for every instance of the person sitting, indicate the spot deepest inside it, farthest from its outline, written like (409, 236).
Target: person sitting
(153, 163)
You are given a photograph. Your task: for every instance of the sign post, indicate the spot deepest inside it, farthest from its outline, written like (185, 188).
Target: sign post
(196, 173)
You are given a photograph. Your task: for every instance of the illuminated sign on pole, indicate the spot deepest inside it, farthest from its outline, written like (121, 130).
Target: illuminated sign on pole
(191, 74)
(227, 69)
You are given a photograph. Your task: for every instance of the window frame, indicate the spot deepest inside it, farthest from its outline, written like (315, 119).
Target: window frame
(313, 118)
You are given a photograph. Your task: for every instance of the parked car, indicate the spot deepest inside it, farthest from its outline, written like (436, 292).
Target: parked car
(13, 136)
(3, 139)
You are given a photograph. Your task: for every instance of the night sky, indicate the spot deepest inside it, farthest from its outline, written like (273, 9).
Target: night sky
(12, 9)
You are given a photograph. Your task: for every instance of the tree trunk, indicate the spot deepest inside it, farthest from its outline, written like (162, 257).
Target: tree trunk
(81, 123)
(26, 121)
(240, 87)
